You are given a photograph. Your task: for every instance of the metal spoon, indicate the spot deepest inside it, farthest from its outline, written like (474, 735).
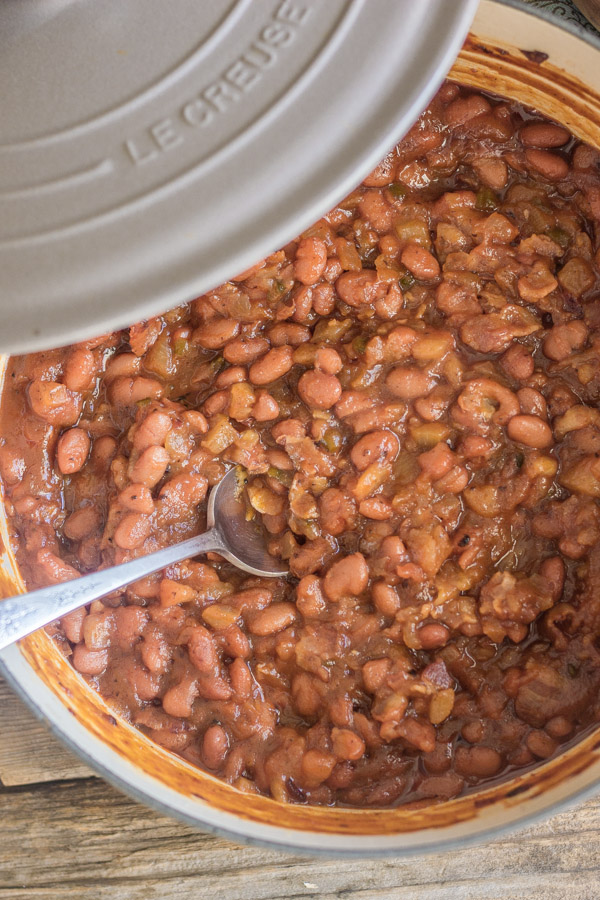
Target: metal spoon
(229, 535)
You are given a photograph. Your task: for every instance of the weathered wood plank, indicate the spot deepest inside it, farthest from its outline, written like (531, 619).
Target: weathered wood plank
(82, 839)
(28, 753)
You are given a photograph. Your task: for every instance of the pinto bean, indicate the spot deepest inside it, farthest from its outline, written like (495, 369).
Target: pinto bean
(360, 288)
(202, 650)
(543, 135)
(409, 383)
(137, 498)
(337, 510)
(272, 619)
(89, 662)
(433, 635)
(481, 762)
(319, 390)
(132, 531)
(126, 391)
(72, 450)
(152, 431)
(328, 360)
(532, 402)
(463, 109)
(561, 340)
(243, 350)
(549, 165)
(122, 364)
(347, 744)
(215, 746)
(265, 407)
(80, 370)
(420, 262)
(346, 577)
(377, 446)
(150, 467)
(518, 362)
(54, 403)
(309, 597)
(385, 598)
(81, 523)
(273, 365)
(216, 333)
(311, 259)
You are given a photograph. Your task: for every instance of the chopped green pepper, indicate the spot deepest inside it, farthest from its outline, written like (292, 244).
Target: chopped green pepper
(486, 201)
(397, 190)
(559, 236)
(280, 475)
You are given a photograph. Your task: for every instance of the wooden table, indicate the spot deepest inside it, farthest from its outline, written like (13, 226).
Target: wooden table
(64, 833)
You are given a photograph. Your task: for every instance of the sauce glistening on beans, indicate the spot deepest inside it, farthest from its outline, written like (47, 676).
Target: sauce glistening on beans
(410, 391)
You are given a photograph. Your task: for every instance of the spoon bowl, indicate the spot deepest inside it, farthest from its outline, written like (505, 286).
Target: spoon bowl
(230, 534)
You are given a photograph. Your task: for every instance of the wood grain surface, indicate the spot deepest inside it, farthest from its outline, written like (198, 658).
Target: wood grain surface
(66, 835)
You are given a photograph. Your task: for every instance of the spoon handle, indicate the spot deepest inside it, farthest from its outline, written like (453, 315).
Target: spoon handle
(25, 613)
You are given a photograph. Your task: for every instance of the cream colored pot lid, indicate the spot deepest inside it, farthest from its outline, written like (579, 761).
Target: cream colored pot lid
(150, 149)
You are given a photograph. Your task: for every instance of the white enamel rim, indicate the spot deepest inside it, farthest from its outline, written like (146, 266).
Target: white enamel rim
(491, 821)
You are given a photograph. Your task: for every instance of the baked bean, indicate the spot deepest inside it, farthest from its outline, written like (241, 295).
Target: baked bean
(378, 446)
(132, 531)
(549, 165)
(561, 340)
(265, 407)
(137, 498)
(385, 599)
(311, 259)
(517, 362)
(81, 523)
(150, 466)
(80, 370)
(531, 431)
(420, 262)
(273, 365)
(125, 391)
(328, 360)
(272, 619)
(433, 636)
(317, 766)
(152, 431)
(543, 135)
(319, 390)
(309, 597)
(466, 108)
(360, 288)
(54, 403)
(202, 650)
(216, 333)
(184, 491)
(122, 364)
(346, 577)
(72, 450)
(409, 383)
(347, 744)
(243, 350)
(177, 700)
(532, 402)
(215, 745)
(89, 662)
(480, 762)
(241, 678)
(72, 625)
(103, 451)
